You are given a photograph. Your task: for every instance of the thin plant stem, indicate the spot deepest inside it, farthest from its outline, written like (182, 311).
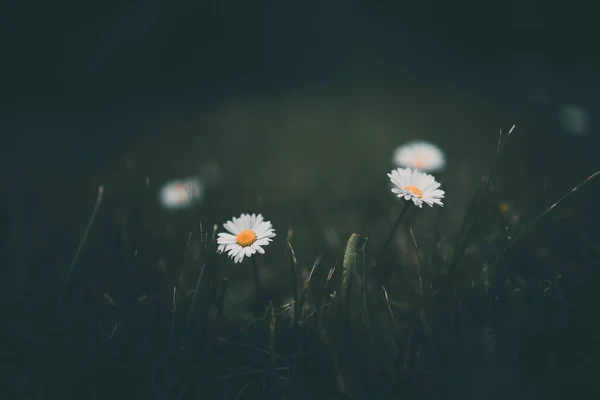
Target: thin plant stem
(256, 275)
(306, 287)
(78, 251)
(195, 295)
(294, 266)
(543, 214)
(323, 304)
(394, 229)
(173, 314)
(258, 307)
(221, 300)
(475, 207)
(272, 370)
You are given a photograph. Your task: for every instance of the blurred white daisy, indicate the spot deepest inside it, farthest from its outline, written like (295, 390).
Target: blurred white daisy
(247, 235)
(181, 193)
(420, 155)
(574, 120)
(416, 186)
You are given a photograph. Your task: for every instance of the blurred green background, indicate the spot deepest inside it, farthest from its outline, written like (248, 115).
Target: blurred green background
(299, 105)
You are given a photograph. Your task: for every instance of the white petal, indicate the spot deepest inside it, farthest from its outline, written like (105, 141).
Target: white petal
(226, 238)
(246, 221)
(265, 229)
(267, 234)
(260, 228)
(239, 258)
(234, 249)
(262, 242)
(258, 220)
(239, 223)
(231, 227)
(232, 252)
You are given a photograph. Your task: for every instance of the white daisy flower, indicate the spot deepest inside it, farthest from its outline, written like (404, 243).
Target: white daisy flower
(416, 186)
(188, 192)
(574, 120)
(247, 235)
(420, 155)
(181, 193)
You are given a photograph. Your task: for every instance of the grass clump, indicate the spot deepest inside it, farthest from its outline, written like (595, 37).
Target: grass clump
(419, 320)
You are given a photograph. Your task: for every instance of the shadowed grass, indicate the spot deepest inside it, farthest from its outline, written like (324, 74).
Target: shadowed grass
(78, 251)
(295, 286)
(543, 214)
(341, 336)
(306, 287)
(476, 205)
(195, 295)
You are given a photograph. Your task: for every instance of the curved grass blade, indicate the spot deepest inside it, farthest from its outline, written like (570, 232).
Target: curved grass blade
(78, 251)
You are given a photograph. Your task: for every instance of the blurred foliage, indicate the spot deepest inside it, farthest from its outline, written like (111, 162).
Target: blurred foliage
(152, 311)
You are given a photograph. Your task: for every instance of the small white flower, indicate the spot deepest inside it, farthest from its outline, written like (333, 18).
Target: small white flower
(181, 193)
(574, 120)
(416, 186)
(247, 235)
(420, 155)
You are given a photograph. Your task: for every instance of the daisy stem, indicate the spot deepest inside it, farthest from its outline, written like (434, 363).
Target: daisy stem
(256, 275)
(394, 228)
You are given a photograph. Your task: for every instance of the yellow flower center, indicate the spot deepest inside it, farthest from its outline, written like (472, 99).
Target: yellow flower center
(504, 207)
(246, 238)
(410, 188)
